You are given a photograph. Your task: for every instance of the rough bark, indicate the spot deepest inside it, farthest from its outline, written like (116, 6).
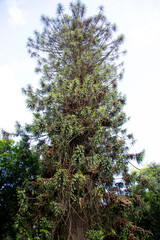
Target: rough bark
(78, 228)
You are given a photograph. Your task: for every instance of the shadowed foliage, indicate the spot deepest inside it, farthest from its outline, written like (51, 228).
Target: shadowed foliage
(18, 163)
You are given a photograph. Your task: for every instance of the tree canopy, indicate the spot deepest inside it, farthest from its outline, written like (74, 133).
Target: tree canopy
(17, 165)
(146, 185)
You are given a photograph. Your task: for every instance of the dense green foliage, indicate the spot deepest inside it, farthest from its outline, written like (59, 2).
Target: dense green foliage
(78, 134)
(145, 184)
(78, 131)
(17, 164)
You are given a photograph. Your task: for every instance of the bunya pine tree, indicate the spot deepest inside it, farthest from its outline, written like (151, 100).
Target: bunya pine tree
(78, 132)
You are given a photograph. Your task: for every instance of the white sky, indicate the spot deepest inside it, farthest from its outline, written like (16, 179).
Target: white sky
(138, 20)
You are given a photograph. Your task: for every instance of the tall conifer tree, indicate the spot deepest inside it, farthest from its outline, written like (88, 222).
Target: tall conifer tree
(78, 131)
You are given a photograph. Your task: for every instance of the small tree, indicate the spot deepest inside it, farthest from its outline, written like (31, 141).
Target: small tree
(17, 164)
(145, 188)
(78, 129)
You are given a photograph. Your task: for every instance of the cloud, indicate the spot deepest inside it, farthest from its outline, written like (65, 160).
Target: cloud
(16, 13)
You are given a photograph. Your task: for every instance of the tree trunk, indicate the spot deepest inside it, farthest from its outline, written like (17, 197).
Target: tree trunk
(78, 227)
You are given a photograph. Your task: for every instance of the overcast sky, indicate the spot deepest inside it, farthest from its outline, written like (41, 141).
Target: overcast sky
(138, 20)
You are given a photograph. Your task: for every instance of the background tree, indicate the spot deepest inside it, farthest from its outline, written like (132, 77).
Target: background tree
(78, 131)
(145, 188)
(17, 164)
